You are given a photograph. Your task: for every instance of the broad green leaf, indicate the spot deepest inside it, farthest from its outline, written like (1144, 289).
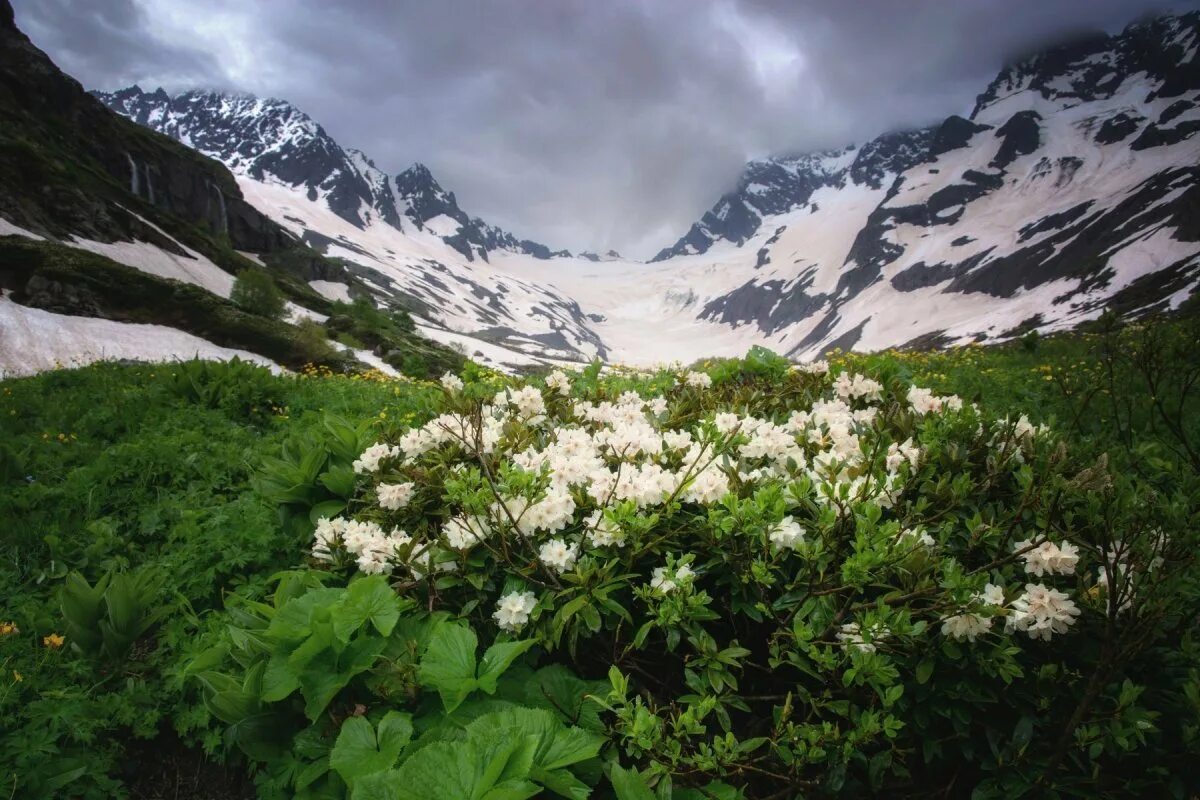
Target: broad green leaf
(562, 783)
(449, 664)
(366, 599)
(326, 510)
(498, 658)
(449, 770)
(629, 785)
(555, 687)
(378, 786)
(569, 746)
(329, 672)
(339, 480)
(279, 680)
(505, 755)
(361, 750)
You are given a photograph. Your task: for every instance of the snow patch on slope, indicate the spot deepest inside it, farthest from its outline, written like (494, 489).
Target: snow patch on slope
(33, 340)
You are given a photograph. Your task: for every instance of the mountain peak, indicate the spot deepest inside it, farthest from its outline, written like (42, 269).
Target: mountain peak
(270, 138)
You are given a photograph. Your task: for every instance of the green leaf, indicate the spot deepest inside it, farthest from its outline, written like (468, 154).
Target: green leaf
(326, 510)
(366, 599)
(569, 746)
(449, 770)
(924, 670)
(562, 783)
(449, 664)
(279, 680)
(497, 659)
(628, 784)
(360, 751)
(339, 480)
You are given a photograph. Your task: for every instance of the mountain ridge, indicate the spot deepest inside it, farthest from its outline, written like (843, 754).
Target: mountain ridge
(272, 138)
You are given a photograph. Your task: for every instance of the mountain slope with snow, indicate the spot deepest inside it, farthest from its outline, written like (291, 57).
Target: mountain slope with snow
(1070, 189)
(272, 140)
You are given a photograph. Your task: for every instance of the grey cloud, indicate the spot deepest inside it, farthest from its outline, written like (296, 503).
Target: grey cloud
(579, 123)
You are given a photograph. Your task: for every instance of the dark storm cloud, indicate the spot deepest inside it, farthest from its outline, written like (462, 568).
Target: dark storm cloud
(581, 123)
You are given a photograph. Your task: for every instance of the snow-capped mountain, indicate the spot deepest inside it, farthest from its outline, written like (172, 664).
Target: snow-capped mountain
(270, 139)
(1072, 187)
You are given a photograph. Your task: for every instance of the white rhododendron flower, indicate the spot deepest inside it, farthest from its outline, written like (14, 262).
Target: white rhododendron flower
(992, 595)
(558, 555)
(787, 534)
(850, 635)
(666, 581)
(1048, 558)
(916, 536)
(966, 626)
(709, 486)
(570, 469)
(1042, 611)
(394, 496)
(373, 456)
(463, 533)
(924, 401)
(727, 423)
(850, 387)
(559, 382)
(513, 610)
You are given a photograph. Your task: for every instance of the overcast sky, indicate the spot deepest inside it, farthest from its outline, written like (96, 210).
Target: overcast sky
(585, 124)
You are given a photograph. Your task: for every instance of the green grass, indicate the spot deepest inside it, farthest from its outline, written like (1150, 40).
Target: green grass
(109, 467)
(115, 467)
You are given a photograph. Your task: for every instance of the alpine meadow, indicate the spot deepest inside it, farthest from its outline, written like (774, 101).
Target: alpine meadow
(881, 481)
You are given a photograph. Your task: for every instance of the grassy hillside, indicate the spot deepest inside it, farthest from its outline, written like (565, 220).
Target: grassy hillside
(153, 470)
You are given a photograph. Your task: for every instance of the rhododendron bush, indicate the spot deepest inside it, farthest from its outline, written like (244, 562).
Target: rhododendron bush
(776, 581)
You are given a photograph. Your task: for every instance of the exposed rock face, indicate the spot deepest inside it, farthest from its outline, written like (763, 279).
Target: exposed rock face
(272, 139)
(67, 164)
(778, 185)
(1076, 169)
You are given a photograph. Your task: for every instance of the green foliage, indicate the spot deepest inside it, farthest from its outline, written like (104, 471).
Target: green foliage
(122, 471)
(254, 291)
(109, 617)
(392, 335)
(362, 655)
(322, 684)
(238, 388)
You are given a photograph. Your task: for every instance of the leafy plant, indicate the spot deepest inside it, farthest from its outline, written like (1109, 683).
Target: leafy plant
(255, 291)
(109, 617)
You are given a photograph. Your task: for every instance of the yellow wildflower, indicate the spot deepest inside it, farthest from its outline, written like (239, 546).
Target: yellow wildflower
(53, 641)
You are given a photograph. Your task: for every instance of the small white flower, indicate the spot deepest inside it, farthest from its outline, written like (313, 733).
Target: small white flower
(916, 536)
(726, 423)
(559, 382)
(452, 382)
(1048, 558)
(394, 496)
(701, 380)
(787, 534)
(462, 533)
(851, 636)
(558, 555)
(513, 610)
(373, 456)
(966, 626)
(664, 581)
(992, 594)
(603, 533)
(1042, 611)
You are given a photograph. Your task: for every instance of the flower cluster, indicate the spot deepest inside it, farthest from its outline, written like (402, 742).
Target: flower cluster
(552, 482)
